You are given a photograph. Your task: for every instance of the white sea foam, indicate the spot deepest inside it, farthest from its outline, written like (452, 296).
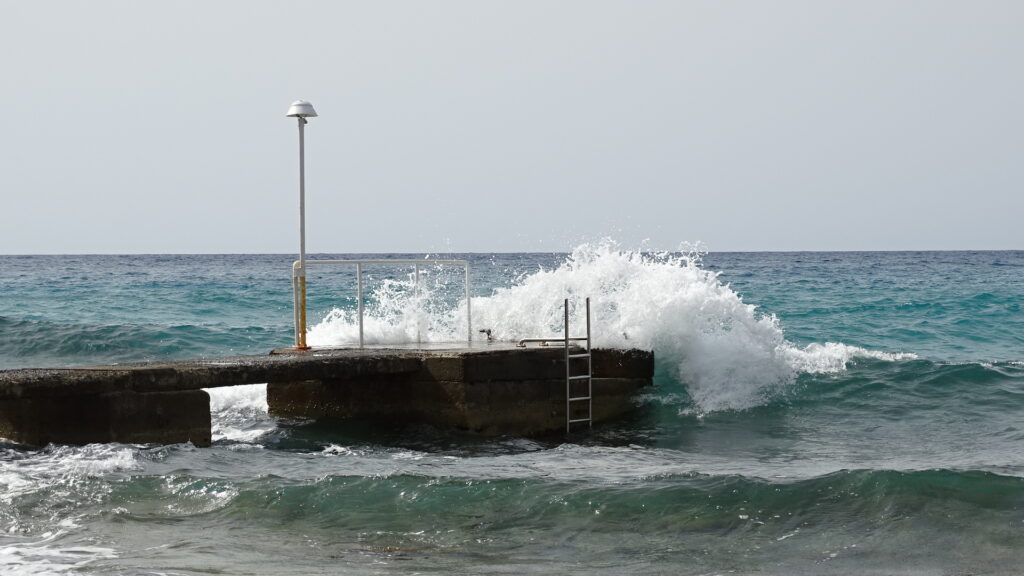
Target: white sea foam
(23, 549)
(56, 464)
(833, 357)
(725, 352)
(42, 556)
(239, 413)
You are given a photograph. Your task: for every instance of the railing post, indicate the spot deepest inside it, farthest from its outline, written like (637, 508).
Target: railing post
(359, 298)
(469, 309)
(588, 323)
(299, 296)
(302, 312)
(419, 303)
(295, 302)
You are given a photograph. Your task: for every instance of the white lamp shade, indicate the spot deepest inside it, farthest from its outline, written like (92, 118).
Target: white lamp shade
(302, 109)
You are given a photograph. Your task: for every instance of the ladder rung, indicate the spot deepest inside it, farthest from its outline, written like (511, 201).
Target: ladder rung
(584, 377)
(587, 355)
(578, 398)
(579, 420)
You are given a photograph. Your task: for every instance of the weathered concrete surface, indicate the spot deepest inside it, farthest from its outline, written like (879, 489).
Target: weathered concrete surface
(493, 391)
(132, 417)
(158, 402)
(488, 388)
(198, 374)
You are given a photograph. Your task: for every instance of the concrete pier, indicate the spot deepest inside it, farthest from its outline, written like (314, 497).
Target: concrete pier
(488, 388)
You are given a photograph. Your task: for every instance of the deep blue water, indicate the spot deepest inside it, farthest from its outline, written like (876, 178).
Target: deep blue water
(874, 427)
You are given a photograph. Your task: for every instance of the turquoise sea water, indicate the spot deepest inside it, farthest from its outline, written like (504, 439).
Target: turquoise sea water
(867, 417)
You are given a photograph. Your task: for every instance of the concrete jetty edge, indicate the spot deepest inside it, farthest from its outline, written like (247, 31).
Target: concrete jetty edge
(489, 389)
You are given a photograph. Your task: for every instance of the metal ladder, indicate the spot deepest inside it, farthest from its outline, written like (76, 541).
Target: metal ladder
(571, 400)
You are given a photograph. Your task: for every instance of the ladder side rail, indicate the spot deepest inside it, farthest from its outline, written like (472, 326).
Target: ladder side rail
(569, 377)
(568, 372)
(590, 374)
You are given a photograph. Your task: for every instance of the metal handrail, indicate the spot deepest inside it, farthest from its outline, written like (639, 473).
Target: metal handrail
(544, 341)
(298, 271)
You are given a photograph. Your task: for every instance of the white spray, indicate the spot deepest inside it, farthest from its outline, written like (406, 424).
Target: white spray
(726, 353)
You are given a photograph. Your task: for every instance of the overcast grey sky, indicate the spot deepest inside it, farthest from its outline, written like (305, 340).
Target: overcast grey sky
(511, 126)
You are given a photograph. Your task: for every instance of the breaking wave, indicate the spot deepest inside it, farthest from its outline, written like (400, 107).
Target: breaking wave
(726, 353)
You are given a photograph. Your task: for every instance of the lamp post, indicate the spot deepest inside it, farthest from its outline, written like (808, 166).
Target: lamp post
(301, 109)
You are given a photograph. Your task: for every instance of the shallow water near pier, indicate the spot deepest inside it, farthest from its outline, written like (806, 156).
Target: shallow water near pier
(813, 413)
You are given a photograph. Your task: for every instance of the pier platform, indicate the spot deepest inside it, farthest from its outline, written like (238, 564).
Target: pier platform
(488, 388)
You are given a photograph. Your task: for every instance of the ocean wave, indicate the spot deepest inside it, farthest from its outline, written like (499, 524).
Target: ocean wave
(40, 343)
(685, 500)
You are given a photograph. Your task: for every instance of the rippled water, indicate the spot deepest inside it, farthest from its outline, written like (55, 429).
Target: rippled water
(865, 417)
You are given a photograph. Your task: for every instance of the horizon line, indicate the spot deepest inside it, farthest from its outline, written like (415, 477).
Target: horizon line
(308, 254)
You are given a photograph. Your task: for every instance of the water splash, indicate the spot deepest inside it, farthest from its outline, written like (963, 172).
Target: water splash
(726, 353)
(239, 413)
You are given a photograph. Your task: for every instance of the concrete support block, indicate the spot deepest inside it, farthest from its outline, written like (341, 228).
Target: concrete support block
(125, 416)
(613, 397)
(522, 407)
(614, 363)
(442, 368)
(398, 400)
(516, 364)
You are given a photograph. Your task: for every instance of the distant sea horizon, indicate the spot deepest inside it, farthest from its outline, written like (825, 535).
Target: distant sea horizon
(480, 252)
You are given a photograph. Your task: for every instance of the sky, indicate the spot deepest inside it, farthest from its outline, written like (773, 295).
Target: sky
(489, 126)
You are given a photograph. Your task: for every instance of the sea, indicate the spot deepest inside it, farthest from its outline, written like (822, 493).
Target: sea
(811, 413)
